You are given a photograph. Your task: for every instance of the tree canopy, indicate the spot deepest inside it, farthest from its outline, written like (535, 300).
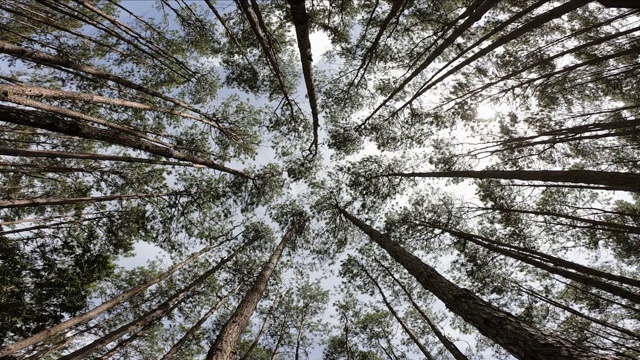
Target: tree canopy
(398, 179)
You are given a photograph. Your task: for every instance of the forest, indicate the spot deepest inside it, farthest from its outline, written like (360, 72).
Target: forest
(319, 179)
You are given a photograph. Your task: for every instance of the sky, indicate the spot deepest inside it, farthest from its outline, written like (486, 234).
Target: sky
(320, 44)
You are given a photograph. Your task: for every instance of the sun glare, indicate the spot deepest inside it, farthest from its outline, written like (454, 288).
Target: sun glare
(485, 111)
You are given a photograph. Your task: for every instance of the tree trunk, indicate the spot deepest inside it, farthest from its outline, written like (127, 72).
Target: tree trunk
(49, 154)
(36, 91)
(50, 122)
(537, 259)
(532, 24)
(614, 180)
(578, 313)
(93, 313)
(75, 115)
(276, 348)
(519, 338)
(263, 328)
(171, 354)
(597, 224)
(448, 344)
(252, 13)
(121, 345)
(481, 8)
(21, 203)
(229, 336)
(43, 58)
(47, 226)
(393, 312)
(299, 336)
(301, 23)
(155, 314)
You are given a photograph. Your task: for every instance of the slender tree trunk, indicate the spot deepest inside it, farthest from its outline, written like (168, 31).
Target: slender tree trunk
(393, 312)
(599, 225)
(301, 23)
(614, 180)
(47, 226)
(154, 314)
(578, 313)
(531, 25)
(481, 9)
(30, 169)
(538, 259)
(519, 338)
(230, 33)
(276, 348)
(229, 336)
(171, 354)
(93, 313)
(121, 345)
(448, 344)
(396, 7)
(75, 115)
(49, 154)
(36, 220)
(299, 335)
(252, 13)
(54, 123)
(44, 352)
(36, 91)
(43, 58)
(263, 328)
(21, 203)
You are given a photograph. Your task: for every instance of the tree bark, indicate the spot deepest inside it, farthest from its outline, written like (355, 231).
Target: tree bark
(393, 312)
(448, 344)
(522, 340)
(156, 313)
(54, 123)
(93, 313)
(614, 180)
(229, 336)
(61, 111)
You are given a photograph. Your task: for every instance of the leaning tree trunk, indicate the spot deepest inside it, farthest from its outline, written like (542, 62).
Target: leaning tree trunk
(263, 328)
(93, 313)
(49, 154)
(519, 338)
(156, 313)
(171, 354)
(21, 203)
(393, 312)
(229, 336)
(301, 20)
(613, 180)
(58, 124)
(448, 344)
(555, 265)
